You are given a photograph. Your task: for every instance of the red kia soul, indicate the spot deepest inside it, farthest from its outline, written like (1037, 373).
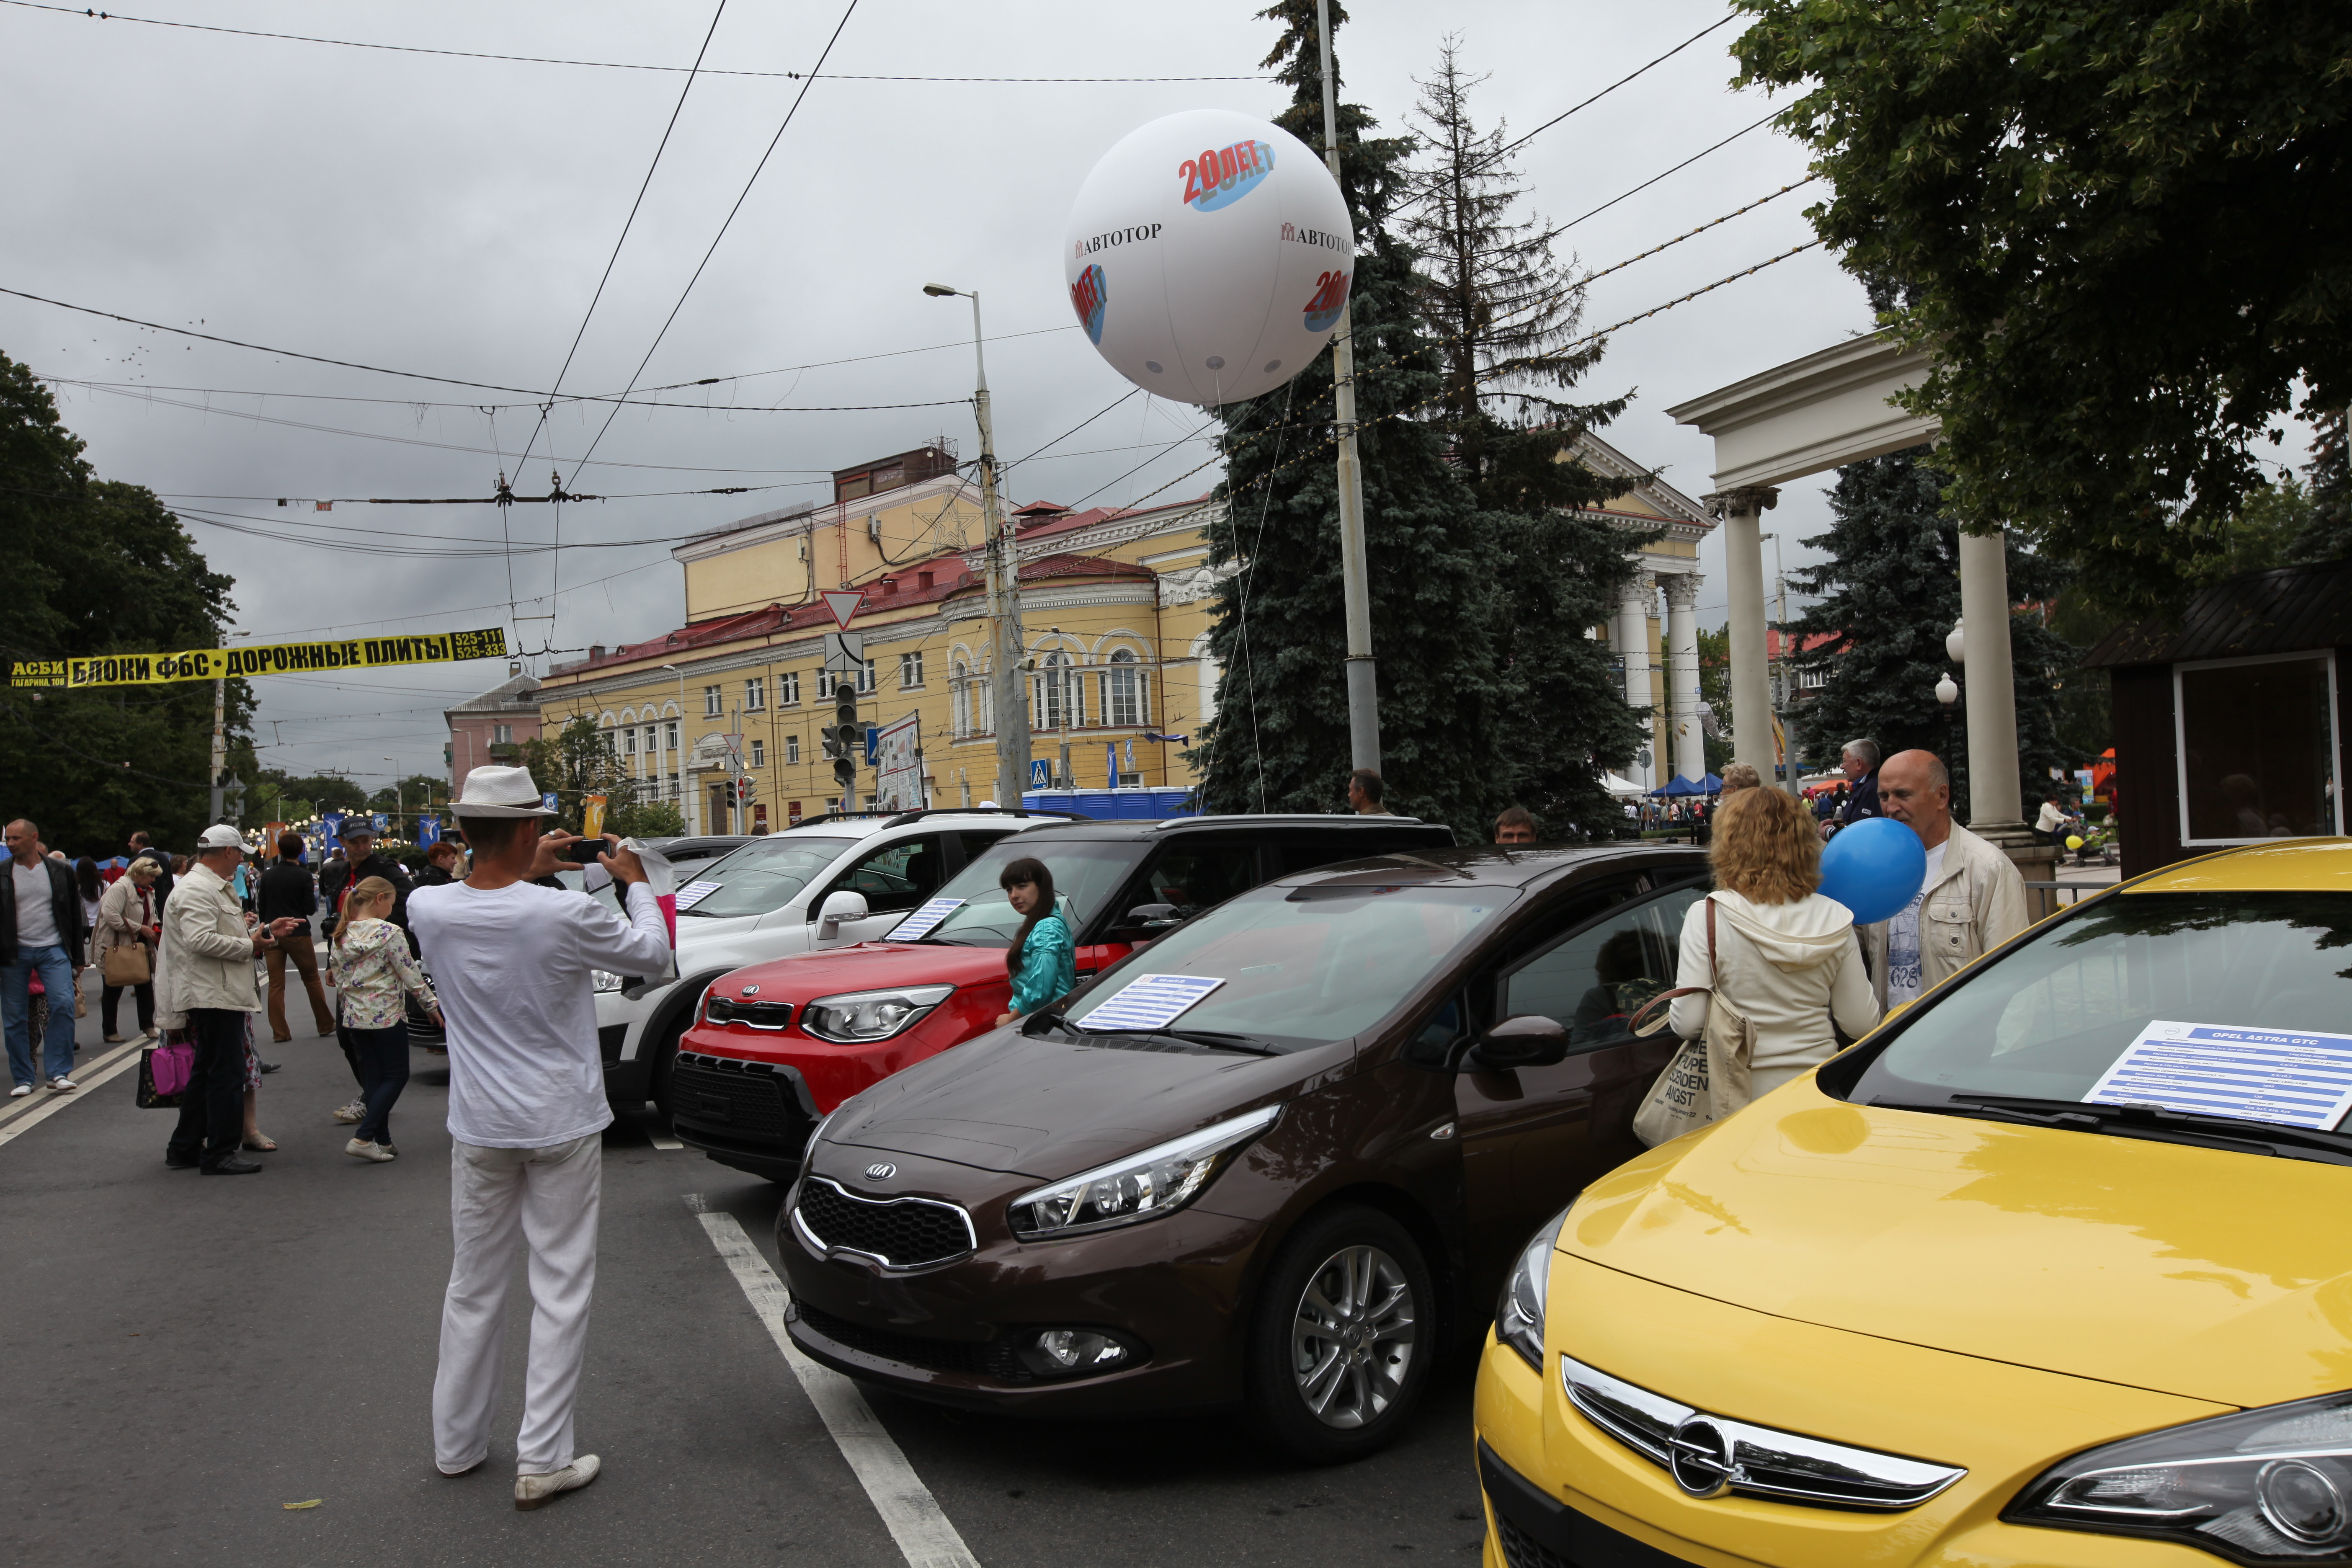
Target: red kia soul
(775, 1048)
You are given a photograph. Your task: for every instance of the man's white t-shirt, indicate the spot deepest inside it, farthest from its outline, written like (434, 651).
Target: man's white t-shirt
(511, 968)
(1904, 977)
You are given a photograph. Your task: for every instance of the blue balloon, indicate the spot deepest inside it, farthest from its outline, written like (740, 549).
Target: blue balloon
(1874, 867)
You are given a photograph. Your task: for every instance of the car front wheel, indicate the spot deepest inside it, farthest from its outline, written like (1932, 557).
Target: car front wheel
(1343, 1336)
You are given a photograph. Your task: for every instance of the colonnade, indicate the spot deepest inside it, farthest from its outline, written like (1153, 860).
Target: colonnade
(1671, 682)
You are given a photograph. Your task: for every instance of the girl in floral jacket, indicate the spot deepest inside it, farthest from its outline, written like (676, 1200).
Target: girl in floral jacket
(371, 966)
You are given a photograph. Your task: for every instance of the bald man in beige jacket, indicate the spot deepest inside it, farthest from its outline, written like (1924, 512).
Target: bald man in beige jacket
(1973, 899)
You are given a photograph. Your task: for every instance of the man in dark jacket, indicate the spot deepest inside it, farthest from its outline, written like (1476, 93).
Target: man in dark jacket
(1859, 759)
(286, 890)
(40, 934)
(358, 863)
(143, 848)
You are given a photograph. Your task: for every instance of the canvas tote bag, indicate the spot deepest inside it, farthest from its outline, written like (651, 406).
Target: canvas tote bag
(1709, 1079)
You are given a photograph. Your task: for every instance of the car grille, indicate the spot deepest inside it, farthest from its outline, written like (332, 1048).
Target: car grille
(754, 1015)
(904, 1233)
(1521, 1550)
(1708, 1453)
(990, 1359)
(703, 1092)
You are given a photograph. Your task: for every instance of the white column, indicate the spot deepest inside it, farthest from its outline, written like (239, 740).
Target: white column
(1743, 570)
(1632, 638)
(1993, 792)
(1682, 676)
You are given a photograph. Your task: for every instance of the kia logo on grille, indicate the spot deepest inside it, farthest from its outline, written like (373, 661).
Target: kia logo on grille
(751, 991)
(881, 1172)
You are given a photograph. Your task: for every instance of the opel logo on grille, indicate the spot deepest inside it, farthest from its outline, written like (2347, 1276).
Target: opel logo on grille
(881, 1172)
(751, 991)
(1700, 1458)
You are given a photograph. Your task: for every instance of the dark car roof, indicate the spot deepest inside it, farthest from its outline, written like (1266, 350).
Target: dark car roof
(1412, 828)
(1494, 865)
(701, 841)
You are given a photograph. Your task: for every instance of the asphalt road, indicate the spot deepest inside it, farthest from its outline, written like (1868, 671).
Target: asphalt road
(191, 1353)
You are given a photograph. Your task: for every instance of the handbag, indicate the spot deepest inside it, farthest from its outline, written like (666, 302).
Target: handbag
(163, 1073)
(1709, 1077)
(126, 965)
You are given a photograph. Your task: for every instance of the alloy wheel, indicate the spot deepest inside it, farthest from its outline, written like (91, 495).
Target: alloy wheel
(1352, 1337)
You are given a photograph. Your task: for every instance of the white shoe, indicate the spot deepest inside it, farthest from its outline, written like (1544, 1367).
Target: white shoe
(20, 1092)
(151, 1033)
(537, 1492)
(354, 1111)
(368, 1150)
(62, 1083)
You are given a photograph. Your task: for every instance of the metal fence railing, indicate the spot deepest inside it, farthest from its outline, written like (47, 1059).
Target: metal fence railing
(2042, 899)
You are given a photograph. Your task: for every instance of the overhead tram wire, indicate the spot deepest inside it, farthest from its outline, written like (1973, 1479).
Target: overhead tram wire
(621, 238)
(590, 315)
(798, 99)
(1563, 115)
(534, 396)
(597, 65)
(1678, 168)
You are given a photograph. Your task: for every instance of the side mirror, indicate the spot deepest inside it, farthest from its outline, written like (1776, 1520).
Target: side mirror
(839, 907)
(1528, 1040)
(1151, 918)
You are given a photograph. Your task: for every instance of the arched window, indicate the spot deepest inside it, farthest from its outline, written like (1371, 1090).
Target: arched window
(1053, 692)
(960, 685)
(1127, 700)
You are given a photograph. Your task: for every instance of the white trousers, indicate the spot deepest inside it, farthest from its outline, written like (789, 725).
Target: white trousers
(549, 1198)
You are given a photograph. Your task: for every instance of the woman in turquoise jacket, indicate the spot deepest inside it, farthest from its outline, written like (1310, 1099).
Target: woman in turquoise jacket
(1043, 960)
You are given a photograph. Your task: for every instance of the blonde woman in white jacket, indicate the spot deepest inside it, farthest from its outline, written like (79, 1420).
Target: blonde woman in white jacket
(1790, 962)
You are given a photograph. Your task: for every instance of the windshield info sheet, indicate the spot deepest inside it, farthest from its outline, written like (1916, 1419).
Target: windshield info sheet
(2294, 1078)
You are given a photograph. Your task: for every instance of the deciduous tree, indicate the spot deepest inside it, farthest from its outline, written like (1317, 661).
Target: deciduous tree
(2121, 230)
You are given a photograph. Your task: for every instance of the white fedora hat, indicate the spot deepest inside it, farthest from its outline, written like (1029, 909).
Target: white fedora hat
(499, 792)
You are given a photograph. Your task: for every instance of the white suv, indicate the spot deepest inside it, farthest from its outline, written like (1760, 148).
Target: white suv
(829, 881)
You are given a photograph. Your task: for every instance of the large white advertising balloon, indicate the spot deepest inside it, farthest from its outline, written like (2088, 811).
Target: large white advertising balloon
(1208, 257)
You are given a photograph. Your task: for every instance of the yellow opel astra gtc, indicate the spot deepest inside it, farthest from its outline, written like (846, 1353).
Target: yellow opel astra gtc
(2053, 1268)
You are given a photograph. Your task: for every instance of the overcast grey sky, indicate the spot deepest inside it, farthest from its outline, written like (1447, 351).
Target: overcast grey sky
(452, 216)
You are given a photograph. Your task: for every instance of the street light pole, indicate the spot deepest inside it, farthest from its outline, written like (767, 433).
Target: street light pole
(399, 798)
(1363, 688)
(685, 798)
(1007, 646)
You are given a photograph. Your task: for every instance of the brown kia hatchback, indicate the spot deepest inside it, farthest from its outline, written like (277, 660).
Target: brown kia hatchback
(1281, 1158)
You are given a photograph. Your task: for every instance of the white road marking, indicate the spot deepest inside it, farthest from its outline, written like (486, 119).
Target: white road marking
(917, 1522)
(48, 1102)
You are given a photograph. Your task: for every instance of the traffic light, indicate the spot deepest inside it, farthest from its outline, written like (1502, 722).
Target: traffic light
(845, 738)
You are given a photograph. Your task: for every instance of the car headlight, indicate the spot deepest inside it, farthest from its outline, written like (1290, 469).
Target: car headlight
(602, 980)
(2273, 1485)
(1519, 1315)
(856, 1017)
(1159, 1181)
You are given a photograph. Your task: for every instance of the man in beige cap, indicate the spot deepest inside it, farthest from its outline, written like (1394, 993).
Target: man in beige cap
(512, 961)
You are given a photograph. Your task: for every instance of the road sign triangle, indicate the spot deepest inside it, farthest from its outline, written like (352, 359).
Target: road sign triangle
(843, 603)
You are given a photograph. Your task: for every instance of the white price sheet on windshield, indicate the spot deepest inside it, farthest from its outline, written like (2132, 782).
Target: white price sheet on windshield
(694, 893)
(1148, 1001)
(917, 926)
(2295, 1078)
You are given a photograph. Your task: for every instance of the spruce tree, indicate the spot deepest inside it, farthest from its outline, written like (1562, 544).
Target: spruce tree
(1280, 741)
(1890, 591)
(2327, 536)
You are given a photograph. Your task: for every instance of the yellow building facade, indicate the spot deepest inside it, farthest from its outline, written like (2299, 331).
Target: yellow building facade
(1115, 608)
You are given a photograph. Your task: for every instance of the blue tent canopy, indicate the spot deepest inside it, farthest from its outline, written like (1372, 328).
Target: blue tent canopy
(1678, 786)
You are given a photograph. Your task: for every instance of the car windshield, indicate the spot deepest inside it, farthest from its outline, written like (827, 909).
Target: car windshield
(1085, 873)
(1300, 966)
(762, 876)
(2232, 1005)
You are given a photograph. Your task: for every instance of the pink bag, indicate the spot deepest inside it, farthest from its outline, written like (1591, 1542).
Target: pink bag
(169, 1067)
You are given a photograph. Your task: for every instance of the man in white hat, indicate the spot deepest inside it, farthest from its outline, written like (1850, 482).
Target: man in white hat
(511, 961)
(207, 969)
